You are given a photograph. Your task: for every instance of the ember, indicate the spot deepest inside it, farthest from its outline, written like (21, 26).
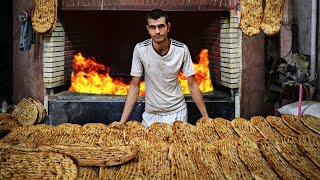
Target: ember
(88, 76)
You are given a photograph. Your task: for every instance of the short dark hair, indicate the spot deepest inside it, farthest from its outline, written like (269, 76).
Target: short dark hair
(156, 14)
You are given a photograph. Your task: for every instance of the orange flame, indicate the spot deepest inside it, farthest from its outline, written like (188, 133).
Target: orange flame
(88, 76)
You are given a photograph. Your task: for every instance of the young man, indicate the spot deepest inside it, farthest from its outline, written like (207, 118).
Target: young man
(159, 60)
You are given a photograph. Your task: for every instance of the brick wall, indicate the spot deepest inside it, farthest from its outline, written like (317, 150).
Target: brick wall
(147, 4)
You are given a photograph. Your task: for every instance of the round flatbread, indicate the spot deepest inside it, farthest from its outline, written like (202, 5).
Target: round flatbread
(26, 112)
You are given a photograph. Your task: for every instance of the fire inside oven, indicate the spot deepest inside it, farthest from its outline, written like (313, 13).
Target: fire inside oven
(102, 44)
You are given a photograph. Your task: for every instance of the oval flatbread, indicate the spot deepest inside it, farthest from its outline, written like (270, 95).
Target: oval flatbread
(26, 112)
(251, 16)
(272, 18)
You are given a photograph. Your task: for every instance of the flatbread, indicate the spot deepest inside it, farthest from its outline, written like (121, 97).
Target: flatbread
(108, 173)
(245, 129)
(183, 165)
(160, 132)
(95, 155)
(44, 15)
(185, 132)
(36, 165)
(311, 122)
(251, 16)
(272, 17)
(206, 158)
(232, 166)
(295, 124)
(135, 133)
(264, 128)
(206, 131)
(310, 145)
(278, 124)
(224, 128)
(40, 117)
(284, 169)
(291, 152)
(86, 173)
(154, 161)
(7, 122)
(91, 134)
(114, 134)
(129, 170)
(250, 155)
(25, 112)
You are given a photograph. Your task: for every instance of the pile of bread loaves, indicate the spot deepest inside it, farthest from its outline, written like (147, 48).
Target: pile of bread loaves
(28, 111)
(272, 147)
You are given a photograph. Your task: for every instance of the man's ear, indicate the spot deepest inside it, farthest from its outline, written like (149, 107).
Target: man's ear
(147, 27)
(169, 26)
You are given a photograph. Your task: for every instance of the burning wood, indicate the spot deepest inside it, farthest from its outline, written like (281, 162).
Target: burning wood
(88, 76)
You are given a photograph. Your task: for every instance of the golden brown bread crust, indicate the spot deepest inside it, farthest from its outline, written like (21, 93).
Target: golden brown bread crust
(251, 16)
(18, 135)
(36, 165)
(206, 131)
(283, 168)
(86, 173)
(185, 132)
(264, 128)
(295, 124)
(278, 124)
(67, 134)
(95, 155)
(25, 112)
(244, 128)
(311, 122)
(250, 155)
(160, 132)
(272, 18)
(206, 158)
(224, 128)
(44, 15)
(183, 165)
(40, 108)
(232, 166)
(7, 122)
(129, 170)
(114, 134)
(154, 161)
(310, 145)
(135, 133)
(291, 152)
(108, 173)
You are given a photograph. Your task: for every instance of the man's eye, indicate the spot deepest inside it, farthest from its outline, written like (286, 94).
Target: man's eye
(161, 26)
(152, 27)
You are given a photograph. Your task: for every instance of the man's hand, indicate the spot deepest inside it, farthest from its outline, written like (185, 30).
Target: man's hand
(131, 99)
(196, 95)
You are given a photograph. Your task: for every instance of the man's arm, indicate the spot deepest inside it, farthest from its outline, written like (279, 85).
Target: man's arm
(131, 99)
(197, 96)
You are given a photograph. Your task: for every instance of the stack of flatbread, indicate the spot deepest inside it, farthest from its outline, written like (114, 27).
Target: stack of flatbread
(34, 165)
(29, 111)
(44, 15)
(7, 122)
(285, 147)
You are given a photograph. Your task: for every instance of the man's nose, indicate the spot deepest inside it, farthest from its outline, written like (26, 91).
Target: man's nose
(157, 30)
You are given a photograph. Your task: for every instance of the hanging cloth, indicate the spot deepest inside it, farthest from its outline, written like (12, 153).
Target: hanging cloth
(26, 32)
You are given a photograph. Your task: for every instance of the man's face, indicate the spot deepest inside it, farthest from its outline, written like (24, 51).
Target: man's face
(158, 29)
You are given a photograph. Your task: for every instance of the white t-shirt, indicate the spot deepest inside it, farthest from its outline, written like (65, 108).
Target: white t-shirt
(163, 90)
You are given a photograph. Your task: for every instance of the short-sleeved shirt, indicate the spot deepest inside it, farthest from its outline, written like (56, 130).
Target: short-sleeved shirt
(163, 90)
